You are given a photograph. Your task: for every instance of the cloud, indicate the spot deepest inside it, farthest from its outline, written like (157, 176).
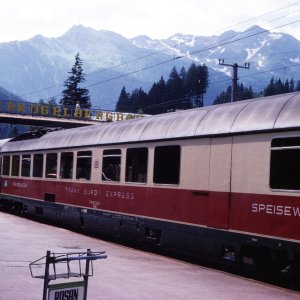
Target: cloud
(21, 20)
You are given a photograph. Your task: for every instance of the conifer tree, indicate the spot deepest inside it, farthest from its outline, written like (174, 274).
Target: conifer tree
(297, 86)
(224, 97)
(181, 91)
(243, 93)
(270, 89)
(196, 83)
(156, 96)
(276, 86)
(182, 74)
(174, 92)
(123, 104)
(292, 85)
(73, 92)
(138, 100)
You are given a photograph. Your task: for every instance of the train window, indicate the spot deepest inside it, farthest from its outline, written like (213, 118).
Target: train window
(84, 162)
(166, 164)
(286, 142)
(6, 165)
(136, 165)
(15, 167)
(38, 162)
(285, 162)
(51, 165)
(66, 165)
(111, 165)
(25, 170)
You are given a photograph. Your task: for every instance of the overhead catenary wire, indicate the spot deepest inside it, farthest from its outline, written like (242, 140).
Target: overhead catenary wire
(253, 74)
(232, 40)
(186, 99)
(254, 18)
(163, 62)
(196, 51)
(257, 73)
(156, 52)
(269, 55)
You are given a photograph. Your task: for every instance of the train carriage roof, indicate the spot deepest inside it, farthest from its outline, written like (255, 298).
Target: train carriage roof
(261, 114)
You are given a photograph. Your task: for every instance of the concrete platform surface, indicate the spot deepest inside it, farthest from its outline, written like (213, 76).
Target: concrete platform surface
(125, 274)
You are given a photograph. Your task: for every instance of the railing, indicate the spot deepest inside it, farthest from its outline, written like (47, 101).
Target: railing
(64, 266)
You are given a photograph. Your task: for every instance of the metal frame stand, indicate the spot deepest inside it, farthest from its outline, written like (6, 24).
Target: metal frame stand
(62, 265)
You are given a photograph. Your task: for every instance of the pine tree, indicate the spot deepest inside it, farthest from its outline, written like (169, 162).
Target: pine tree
(248, 93)
(196, 83)
(171, 95)
(123, 104)
(174, 92)
(243, 93)
(270, 89)
(191, 80)
(286, 87)
(203, 82)
(73, 92)
(279, 87)
(138, 100)
(276, 87)
(224, 97)
(156, 97)
(182, 74)
(292, 85)
(298, 86)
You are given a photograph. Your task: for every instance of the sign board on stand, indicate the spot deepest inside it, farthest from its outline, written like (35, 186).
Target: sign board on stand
(66, 291)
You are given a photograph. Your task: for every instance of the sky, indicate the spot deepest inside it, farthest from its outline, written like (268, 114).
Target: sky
(21, 20)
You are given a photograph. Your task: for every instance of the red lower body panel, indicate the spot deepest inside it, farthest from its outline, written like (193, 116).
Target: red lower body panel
(277, 216)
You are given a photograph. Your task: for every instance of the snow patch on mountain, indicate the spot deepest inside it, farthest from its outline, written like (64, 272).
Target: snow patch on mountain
(275, 35)
(111, 61)
(252, 52)
(295, 60)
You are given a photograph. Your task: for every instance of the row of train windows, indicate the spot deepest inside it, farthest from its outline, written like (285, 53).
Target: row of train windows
(166, 165)
(284, 165)
(17, 163)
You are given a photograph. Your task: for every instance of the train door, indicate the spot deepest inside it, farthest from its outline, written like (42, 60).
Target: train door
(219, 182)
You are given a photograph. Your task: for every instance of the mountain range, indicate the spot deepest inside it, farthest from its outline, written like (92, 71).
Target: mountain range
(36, 68)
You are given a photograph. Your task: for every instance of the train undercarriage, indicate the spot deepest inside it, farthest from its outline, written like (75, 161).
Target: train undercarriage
(266, 259)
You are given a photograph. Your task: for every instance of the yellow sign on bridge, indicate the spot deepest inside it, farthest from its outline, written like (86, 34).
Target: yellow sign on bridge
(26, 108)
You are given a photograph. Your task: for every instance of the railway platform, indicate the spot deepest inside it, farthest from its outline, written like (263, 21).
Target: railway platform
(125, 274)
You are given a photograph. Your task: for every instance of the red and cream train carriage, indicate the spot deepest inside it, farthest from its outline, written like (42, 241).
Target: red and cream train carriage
(217, 182)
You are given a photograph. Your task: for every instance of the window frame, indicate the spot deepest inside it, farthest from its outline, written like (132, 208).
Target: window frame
(9, 165)
(78, 156)
(175, 181)
(114, 169)
(23, 158)
(34, 165)
(137, 167)
(280, 145)
(13, 165)
(71, 172)
(47, 174)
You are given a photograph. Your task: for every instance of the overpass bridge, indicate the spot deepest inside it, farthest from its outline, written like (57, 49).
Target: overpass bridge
(36, 114)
